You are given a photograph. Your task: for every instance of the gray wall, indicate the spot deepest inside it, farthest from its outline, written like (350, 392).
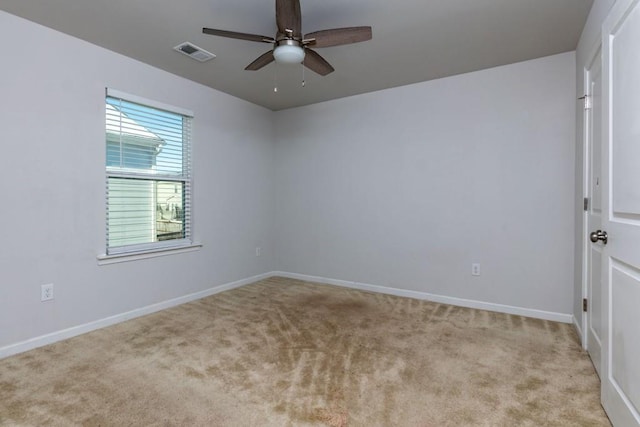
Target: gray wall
(52, 167)
(407, 187)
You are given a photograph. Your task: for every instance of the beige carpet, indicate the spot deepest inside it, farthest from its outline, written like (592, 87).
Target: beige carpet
(286, 353)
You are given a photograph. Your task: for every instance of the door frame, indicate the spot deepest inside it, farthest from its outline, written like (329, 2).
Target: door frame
(594, 54)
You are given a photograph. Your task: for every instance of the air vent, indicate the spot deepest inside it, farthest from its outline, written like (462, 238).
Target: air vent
(194, 52)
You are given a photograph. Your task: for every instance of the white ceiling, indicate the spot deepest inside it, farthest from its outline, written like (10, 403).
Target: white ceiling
(413, 40)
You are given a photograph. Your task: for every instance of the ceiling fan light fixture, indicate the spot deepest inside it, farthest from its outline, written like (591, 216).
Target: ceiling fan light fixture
(288, 54)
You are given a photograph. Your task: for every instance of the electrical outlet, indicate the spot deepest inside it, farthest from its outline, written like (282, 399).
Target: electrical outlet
(46, 292)
(258, 251)
(475, 269)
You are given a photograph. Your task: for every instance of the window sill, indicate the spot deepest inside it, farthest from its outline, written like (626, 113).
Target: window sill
(154, 253)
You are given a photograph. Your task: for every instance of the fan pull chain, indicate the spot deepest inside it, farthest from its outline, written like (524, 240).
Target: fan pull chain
(304, 83)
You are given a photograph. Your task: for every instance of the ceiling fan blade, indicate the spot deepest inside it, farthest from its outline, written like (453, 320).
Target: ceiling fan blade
(316, 63)
(261, 61)
(288, 17)
(339, 36)
(236, 35)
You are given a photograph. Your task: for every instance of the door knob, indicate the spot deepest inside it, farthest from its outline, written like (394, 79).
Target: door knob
(599, 235)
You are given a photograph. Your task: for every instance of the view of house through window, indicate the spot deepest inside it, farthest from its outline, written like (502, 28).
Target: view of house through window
(148, 176)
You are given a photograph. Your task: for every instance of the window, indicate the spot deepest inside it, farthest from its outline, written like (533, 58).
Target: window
(148, 165)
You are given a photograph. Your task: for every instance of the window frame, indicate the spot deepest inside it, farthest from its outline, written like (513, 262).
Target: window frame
(162, 247)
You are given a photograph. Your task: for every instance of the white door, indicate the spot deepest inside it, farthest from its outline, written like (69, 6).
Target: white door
(621, 217)
(593, 104)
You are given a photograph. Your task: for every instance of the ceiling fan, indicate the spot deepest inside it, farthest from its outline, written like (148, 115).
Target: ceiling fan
(289, 45)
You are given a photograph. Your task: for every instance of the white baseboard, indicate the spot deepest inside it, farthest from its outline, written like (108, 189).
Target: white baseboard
(500, 308)
(118, 318)
(53, 337)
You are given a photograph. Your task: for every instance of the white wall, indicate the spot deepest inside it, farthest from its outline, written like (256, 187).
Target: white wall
(52, 170)
(589, 40)
(407, 187)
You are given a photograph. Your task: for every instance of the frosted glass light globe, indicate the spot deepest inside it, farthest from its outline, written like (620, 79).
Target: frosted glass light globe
(288, 54)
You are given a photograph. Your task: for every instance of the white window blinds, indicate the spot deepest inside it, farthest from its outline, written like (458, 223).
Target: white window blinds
(148, 165)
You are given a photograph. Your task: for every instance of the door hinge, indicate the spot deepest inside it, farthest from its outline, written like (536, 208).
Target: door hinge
(586, 204)
(584, 305)
(587, 101)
